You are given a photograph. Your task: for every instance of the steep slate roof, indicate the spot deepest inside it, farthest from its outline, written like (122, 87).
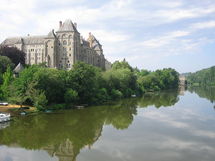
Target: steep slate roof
(67, 26)
(18, 68)
(26, 40)
(12, 40)
(34, 39)
(84, 42)
(96, 44)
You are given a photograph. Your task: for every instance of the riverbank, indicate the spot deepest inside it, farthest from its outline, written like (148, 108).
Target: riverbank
(14, 109)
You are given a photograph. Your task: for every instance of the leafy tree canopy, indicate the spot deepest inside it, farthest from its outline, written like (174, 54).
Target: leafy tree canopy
(16, 56)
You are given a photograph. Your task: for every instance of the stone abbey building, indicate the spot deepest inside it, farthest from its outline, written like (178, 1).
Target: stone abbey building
(61, 49)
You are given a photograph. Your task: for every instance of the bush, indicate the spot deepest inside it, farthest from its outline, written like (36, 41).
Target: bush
(40, 101)
(115, 94)
(71, 96)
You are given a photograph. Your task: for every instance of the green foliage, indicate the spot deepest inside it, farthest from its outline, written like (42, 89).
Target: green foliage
(121, 65)
(40, 100)
(116, 94)
(83, 84)
(202, 78)
(159, 80)
(4, 63)
(121, 79)
(7, 78)
(52, 82)
(16, 56)
(70, 96)
(85, 80)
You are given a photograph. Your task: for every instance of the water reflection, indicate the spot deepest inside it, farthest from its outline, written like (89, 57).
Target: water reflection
(159, 99)
(64, 134)
(204, 92)
(4, 125)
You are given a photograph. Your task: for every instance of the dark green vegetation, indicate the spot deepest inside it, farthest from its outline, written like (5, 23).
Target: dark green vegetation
(80, 127)
(205, 77)
(15, 55)
(47, 88)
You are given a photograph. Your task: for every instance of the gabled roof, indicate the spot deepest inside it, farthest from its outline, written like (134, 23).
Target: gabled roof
(95, 44)
(26, 40)
(34, 39)
(12, 40)
(67, 26)
(18, 68)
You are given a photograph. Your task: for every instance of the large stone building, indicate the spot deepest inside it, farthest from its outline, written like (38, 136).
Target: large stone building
(61, 49)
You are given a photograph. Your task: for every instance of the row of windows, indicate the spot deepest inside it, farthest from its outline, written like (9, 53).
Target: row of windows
(67, 65)
(67, 61)
(29, 50)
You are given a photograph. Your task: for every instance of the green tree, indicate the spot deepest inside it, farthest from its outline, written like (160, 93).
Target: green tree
(4, 63)
(85, 80)
(7, 78)
(16, 56)
(71, 96)
(121, 65)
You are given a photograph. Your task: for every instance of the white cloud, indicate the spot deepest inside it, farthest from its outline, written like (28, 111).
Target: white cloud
(164, 39)
(179, 14)
(203, 25)
(122, 26)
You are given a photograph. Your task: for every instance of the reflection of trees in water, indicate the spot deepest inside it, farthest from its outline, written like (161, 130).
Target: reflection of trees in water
(159, 99)
(204, 92)
(64, 134)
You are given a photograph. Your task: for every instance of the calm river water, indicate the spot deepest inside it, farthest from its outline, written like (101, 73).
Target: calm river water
(167, 126)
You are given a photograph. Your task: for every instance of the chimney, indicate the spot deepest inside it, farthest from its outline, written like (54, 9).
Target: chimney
(75, 24)
(60, 24)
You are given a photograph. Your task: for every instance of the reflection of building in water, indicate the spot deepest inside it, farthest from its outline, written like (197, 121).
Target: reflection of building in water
(182, 90)
(182, 80)
(67, 151)
(182, 84)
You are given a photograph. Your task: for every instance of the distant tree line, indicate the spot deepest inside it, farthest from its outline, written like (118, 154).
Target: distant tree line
(84, 84)
(205, 77)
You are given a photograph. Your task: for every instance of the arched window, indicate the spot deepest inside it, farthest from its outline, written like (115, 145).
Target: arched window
(70, 37)
(63, 36)
(64, 42)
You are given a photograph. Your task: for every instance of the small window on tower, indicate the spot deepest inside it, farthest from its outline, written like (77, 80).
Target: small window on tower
(64, 42)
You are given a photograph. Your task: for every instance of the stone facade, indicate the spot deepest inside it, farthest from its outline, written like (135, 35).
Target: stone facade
(61, 49)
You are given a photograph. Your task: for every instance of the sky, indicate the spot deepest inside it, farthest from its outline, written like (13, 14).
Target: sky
(149, 34)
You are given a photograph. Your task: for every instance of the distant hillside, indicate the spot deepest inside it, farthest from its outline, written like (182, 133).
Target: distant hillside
(202, 77)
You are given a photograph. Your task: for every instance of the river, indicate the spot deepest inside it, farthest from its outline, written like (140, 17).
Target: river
(165, 126)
